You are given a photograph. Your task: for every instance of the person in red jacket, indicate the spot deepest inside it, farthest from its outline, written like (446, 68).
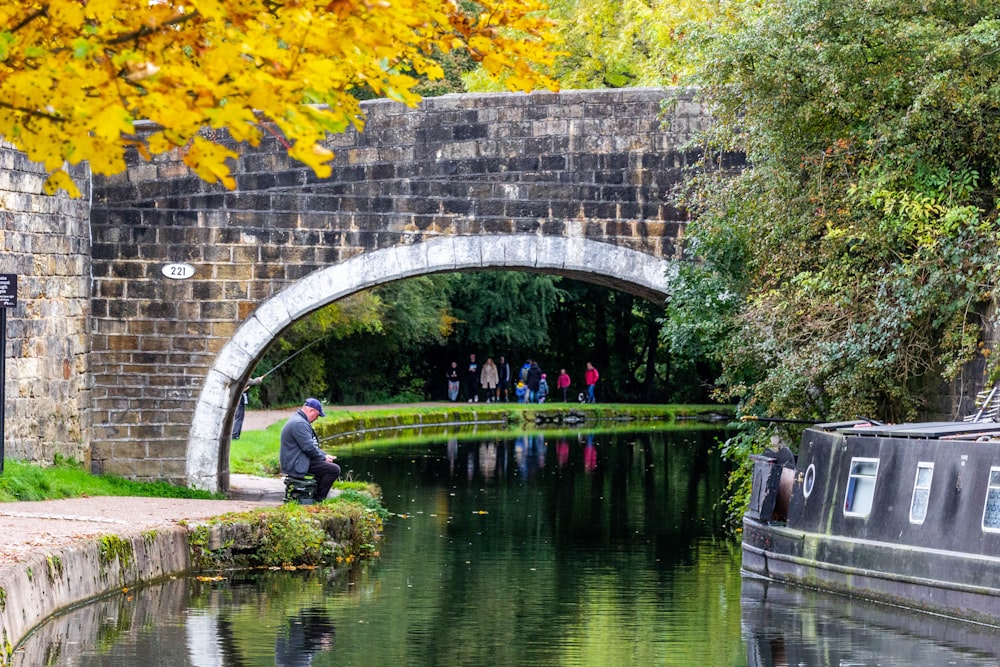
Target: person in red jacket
(562, 383)
(590, 378)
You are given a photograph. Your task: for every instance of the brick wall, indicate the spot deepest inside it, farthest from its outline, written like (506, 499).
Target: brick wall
(46, 243)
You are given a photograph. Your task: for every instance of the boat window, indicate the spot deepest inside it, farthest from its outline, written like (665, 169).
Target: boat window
(991, 513)
(809, 481)
(861, 487)
(921, 492)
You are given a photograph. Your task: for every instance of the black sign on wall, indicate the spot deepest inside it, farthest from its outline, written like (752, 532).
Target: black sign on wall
(8, 299)
(8, 290)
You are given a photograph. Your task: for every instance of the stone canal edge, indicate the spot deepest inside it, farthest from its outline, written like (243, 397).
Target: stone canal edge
(58, 554)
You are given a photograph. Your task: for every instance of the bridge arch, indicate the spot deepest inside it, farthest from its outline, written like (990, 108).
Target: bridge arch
(556, 182)
(626, 269)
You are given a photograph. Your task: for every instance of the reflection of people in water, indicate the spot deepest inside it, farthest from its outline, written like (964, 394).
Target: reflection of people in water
(452, 449)
(590, 454)
(562, 452)
(488, 459)
(521, 454)
(538, 444)
(308, 633)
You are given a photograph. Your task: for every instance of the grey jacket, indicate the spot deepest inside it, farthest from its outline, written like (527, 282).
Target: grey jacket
(299, 445)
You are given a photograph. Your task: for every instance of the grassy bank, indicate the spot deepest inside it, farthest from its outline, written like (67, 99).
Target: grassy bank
(69, 479)
(342, 529)
(256, 452)
(339, 420)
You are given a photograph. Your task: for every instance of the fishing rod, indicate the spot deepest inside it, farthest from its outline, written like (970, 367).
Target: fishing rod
(782, 420)
(776, 420)
(293, 355)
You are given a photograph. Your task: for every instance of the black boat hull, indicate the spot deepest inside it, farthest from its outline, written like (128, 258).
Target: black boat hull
(907, 515)
(861, 569)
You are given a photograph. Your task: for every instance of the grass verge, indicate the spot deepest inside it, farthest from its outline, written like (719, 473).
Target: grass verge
(69, 479)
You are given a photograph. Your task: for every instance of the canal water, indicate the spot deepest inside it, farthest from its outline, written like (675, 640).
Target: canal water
(573, 550)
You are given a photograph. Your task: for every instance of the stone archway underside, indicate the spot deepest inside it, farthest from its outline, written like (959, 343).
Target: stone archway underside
(592, 261)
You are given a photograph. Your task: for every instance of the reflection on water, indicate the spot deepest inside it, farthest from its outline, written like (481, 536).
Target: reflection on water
(581, 550)
(576, 551)
(784, 625)
(264, 617)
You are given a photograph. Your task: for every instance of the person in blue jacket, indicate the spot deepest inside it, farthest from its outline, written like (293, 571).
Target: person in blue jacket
(299, 453)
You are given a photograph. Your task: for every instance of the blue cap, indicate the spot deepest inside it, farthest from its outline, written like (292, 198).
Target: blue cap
(315, 405)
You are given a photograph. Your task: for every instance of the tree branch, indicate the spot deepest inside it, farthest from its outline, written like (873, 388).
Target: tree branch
(144, 31)
(38, 13)
(34, 113)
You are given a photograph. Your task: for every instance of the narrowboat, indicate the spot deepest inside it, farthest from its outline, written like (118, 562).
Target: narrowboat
(905, 514)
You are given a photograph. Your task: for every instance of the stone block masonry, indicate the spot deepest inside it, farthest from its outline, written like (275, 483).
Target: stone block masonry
(591, 169)
(46, 244)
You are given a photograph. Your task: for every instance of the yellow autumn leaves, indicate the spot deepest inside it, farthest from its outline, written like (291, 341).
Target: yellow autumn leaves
(76, 75)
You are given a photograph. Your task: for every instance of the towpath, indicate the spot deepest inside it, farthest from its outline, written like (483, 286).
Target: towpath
(27, 527)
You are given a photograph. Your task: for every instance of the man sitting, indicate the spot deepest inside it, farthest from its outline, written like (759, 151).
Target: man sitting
(300, 454)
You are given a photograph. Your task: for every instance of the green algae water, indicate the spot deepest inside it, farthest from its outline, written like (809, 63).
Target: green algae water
(577, 550)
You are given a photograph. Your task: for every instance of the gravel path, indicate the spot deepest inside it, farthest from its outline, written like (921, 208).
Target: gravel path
(258, 420)
(28, 527)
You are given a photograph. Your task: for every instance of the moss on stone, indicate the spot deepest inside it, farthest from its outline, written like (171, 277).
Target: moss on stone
(55, 567)
(113, 548)
(344, 528)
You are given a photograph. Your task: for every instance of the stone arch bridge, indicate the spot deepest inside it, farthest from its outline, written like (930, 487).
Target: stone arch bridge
(573, 184)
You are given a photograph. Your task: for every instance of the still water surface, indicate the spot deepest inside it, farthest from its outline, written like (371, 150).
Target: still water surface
(577, 551)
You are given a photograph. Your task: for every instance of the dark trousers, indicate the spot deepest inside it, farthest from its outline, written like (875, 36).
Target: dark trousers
(326, 473)
(238, 419)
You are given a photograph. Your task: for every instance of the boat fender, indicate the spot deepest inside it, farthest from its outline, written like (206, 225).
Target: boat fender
(784, 459)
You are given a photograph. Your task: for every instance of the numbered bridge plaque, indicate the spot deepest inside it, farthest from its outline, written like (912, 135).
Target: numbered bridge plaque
(178, 271)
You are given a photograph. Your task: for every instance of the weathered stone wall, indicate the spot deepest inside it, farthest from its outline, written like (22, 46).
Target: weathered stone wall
(594, 165)
(46, 243)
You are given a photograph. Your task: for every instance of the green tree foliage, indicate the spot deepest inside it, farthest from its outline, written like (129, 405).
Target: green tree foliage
(503, 310)
(620, 43)
(388, 362)
(862, 244)
(299, 353)
(619, 333)
(394, 342)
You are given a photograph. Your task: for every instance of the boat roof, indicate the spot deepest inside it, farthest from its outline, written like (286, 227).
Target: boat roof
(948, 430)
